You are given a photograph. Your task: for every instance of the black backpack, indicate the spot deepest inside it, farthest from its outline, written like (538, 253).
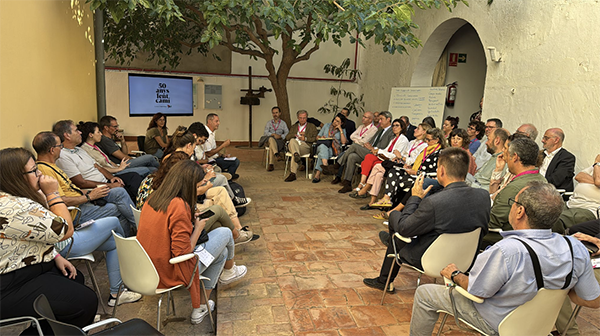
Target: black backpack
(239, 192)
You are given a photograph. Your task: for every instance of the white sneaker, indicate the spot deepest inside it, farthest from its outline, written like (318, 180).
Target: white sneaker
(240, 202)
(234, 274)
(198, 314)
(126, 297)
(244, 237)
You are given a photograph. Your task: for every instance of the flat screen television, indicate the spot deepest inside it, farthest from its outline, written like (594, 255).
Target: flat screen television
(150, 94)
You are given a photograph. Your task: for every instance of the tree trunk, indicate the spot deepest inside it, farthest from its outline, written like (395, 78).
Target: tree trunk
(282, 100)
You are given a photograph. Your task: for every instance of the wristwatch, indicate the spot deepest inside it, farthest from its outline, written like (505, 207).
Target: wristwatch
(455, 273)
(596, 164)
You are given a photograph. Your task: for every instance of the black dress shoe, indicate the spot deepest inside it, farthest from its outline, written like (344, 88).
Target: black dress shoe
(366, 207)
(336, 180)
(316, 180)
(290, 178)
(301, 168)
(270, 168)
(374, 283)
(384, 237)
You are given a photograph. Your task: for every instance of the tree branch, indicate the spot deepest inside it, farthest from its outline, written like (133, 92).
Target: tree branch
(306, 39)
(263, 33)
(306, 56)
(229, 44)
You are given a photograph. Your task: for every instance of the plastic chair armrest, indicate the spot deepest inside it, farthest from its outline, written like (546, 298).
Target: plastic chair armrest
(181, 258)
(495, 230)
(138, 152)
(402, 238)
(100, 323)
(462, 291)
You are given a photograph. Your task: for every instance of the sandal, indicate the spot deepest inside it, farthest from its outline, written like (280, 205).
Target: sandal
(382, 204)
(382, 215)
(353, 194)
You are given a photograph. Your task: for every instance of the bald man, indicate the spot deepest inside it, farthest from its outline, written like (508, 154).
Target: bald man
(559, 165)
(529, 130)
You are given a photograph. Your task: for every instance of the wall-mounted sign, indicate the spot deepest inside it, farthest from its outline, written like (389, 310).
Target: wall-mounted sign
(453, 60)
(462, 58)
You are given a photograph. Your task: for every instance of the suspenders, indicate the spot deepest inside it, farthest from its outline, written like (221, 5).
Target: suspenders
(537, 270)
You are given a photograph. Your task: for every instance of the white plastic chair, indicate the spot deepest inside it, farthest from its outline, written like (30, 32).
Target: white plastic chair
(136, 214)
(448, 248)
(266, 157)
(288, 159)
(533, 318)
(139, 274)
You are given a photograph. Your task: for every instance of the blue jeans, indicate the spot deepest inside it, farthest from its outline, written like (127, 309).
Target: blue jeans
(148, 161)
(219, 245)
(118, 206)
(229, 166)
(430, 298)
(142, 171)
(98, 237)
(323, 152)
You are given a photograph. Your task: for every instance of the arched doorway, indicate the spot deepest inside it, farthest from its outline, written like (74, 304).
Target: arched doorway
(454, 36)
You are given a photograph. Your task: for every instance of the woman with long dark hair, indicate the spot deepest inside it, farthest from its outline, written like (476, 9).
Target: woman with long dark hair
(157, 140)
(170, 226)
(34, 217)
(332, 136)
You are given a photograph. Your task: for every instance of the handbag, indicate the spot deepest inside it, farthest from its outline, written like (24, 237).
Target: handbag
(203, 237)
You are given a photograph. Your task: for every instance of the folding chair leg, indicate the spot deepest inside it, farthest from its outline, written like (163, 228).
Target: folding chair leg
(419, 279)
(158, 322)
(387, 283)
(168, 303)
(173, 304)
(442, 325)
(287, 162)
(117, 300)
(571, 319)
(210, 314)
(88, 264)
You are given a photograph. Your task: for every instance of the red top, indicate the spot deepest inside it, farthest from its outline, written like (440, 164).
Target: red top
(165, 236)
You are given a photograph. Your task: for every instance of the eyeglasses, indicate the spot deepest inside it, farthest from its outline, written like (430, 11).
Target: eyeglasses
(114, 126)
(395, 125)
(489, 127)
(35, 171)
(429, 139)
(61, 146)
(512, 201)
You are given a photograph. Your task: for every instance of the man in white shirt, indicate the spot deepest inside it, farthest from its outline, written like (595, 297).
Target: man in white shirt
(559, 165)
(481, 155)
(83, 171)
(226, 162)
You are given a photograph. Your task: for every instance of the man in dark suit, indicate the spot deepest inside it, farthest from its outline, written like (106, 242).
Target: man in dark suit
(457, 208)
(558, 165)
(356, 153)
(350, 125)
(410, 129)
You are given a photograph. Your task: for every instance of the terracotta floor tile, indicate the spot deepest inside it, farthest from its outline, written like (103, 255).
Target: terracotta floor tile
(360, 254)
(281, 246)
(282, 221)
(300, 320)
(395, 330)
(280, 314)
(355, 266)
(291, 236)
(274, 229)
(290, 268)
(368, 316)
(343, 235)
(318, 333)
(338, 244)
(342, 317)
(270, 237)
(287, 283)
(313, 281)
(291, 199)
(340, 297)
(372, 331)
(402, 312)
(330, 255)
(347, 280)
(372, 296)
(327, 267)
(299, 299)
(314, 235)
(325, 227)
(272, 329)
(300, 256)
(310, 245)
(298, 227)
(322, 319)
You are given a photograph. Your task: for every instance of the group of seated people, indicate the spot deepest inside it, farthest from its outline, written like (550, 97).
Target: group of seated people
(186, 201)
(453, 180)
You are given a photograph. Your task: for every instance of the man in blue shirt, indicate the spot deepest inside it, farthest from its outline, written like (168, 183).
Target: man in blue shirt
(504, 276)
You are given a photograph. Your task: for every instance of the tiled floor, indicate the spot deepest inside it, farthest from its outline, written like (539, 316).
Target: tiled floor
(305, 273)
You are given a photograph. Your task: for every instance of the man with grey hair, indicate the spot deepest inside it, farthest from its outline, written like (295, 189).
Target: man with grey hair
(558, 165)
(520, 156)
(529, 130)
(301, 136)
(356, 153)
(502, 274)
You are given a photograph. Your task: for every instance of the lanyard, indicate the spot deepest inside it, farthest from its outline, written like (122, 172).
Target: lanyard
(275, 128)
(365, 129)
(414, 146)
(393, 143)
(425, 155)
(533, 171)
(101, 152)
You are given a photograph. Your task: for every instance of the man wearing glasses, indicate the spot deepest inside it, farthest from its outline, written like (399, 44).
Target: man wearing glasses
(521, 157)
(559, 164)
(110, 135)
(481, 154)
(502, 274)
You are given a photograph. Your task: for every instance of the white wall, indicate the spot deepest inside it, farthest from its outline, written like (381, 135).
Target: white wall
(549, 70)
(308, 94)
(470, 76)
